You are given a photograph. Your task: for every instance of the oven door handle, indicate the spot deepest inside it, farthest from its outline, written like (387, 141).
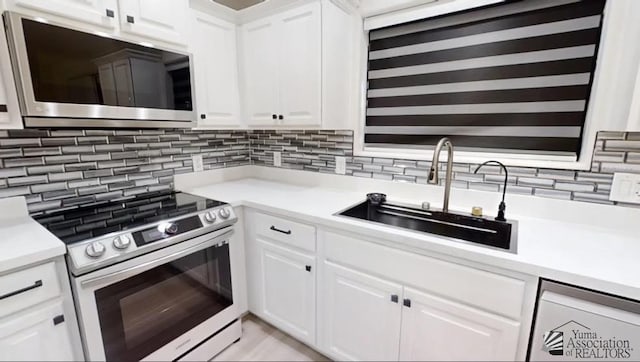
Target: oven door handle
(107, 279)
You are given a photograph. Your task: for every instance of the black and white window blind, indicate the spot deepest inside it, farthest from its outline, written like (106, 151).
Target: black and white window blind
(513, 77)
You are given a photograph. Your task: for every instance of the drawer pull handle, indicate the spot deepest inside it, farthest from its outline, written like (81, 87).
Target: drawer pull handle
(130, 19)
(407, 303)
(394, 298)
(307, 268)
(288, 232)
(36, 284)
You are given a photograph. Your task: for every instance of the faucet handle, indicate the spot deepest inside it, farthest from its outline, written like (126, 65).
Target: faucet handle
(433, 175)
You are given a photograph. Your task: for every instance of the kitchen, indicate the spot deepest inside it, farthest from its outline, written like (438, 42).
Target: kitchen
(319, 179)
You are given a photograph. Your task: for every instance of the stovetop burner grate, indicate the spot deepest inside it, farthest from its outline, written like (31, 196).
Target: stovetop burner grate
(87, 222)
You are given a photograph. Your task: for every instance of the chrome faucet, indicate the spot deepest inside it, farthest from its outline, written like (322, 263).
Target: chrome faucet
(433, 173)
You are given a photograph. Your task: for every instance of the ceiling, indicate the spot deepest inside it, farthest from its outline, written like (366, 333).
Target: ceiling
(238, 4)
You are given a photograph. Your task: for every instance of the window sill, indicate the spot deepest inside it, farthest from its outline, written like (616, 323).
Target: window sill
(509, 159)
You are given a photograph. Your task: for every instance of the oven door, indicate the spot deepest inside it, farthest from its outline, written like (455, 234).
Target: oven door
(160, 305)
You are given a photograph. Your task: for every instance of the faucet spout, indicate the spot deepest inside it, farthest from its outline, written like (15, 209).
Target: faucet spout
(433, 177)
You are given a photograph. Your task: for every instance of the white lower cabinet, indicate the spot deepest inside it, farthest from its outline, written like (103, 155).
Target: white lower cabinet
(377, 302)
(437, 329)
(39, 335)
(367, 318)
(289, 290)
(361, 315)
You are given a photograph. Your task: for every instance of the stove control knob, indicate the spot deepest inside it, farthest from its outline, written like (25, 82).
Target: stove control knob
(95, 249)
(224, 213)
(170, 228)
(121, 242)
(210, 217)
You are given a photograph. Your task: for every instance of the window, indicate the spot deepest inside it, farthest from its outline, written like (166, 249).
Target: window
(509, 78)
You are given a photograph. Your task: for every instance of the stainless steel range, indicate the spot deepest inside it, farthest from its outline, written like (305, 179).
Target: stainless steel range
(151, 276)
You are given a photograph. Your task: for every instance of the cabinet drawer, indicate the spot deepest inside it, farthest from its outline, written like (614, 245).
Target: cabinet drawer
(489, 291)
(28, 287)
(289, 232)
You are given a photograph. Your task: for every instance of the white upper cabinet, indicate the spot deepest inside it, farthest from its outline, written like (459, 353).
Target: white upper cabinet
(96, 12)
(163, 20)
(437, 329)
(361, 317)
(260, 72)
(300, 63)
(282, 67)
(633, 123)
(215, 59)
(156, 20)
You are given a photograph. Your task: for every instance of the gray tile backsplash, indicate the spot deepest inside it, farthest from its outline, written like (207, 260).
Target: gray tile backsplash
(615, 151)
(58, 169)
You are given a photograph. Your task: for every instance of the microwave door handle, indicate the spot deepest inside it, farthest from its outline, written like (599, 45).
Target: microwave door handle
(107, 279)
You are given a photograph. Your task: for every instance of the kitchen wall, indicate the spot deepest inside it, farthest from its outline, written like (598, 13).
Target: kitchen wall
(57, 169)
(315, 151)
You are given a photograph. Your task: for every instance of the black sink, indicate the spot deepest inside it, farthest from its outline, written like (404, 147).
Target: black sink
(479, 230)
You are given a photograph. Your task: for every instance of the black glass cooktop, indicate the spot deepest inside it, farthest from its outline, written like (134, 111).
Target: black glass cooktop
(91, 221)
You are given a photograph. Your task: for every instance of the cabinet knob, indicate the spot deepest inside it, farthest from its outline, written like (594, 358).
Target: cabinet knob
(308, 268)
(394, 298)
(58, 319)
(274, 116)
(407, 303)
(203, 116)
(280, 117)
(130, 19)
(110, 13)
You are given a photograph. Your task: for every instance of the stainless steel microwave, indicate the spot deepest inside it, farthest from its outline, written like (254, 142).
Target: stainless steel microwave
(69, 77)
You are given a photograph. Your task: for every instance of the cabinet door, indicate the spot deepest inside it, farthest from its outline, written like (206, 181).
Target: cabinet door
(163, 20)
(434, 328)
(124, 83)
(260, 72)
(96, 12)
(300, 62)
(361, 315)
(216, 71)
(35, 336)
(288, 288)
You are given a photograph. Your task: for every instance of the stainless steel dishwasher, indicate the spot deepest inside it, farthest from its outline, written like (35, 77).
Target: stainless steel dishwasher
(574, 324)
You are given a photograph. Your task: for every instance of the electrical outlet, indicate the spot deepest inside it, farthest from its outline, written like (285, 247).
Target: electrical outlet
(625, 188)
(198, 164)
(341, 165)
(277, 159)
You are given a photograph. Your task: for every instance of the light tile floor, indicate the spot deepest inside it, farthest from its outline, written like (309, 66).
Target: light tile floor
(262, 342)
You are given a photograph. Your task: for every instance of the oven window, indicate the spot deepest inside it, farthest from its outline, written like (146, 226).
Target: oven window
(143, 313)
(69, 66)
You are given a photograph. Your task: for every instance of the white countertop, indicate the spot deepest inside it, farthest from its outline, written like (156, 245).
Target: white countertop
(597, 257)
(25, 242)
